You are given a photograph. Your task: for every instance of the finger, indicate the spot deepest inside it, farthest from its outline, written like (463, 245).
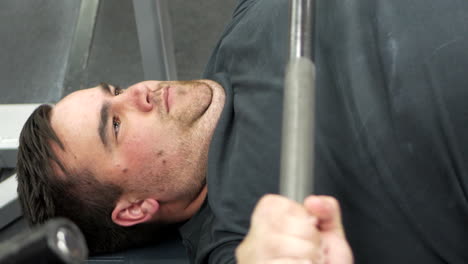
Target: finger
(279, 246)
(266, 247)
(292, 261)
(273, 208)
(327, 210)
(281, 215)
(300, 227)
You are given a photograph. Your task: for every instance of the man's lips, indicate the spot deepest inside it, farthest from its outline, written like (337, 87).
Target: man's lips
(166, 98)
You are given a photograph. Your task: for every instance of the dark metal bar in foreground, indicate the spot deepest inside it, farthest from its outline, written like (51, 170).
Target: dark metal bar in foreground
(297, 157)
(57, 241)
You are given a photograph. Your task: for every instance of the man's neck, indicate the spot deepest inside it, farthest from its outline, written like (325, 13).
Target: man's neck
(197, 203)
(181, 211)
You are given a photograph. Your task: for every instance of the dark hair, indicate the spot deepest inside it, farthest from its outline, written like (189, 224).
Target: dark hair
(79, 196)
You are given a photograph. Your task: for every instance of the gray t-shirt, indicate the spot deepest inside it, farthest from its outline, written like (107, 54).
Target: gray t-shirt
(392, 141)
(392, 133)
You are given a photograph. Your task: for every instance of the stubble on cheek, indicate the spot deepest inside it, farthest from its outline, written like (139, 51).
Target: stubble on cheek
(191, 102)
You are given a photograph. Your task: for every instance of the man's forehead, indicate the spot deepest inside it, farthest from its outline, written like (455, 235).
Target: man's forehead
(77, 103)
(77, 95)
(75, 121)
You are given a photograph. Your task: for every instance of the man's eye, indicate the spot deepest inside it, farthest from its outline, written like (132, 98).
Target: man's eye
(118, 90)
(116, 125)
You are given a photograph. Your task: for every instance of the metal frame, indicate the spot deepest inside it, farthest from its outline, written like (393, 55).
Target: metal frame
(81, 45)
(13, 117)
(9, 204)
(155, 37)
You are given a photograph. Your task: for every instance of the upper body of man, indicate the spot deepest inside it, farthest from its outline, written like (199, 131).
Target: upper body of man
(389, 119)
(140, 155)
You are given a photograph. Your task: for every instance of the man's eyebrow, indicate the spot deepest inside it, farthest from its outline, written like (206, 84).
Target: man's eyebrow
(102, 128)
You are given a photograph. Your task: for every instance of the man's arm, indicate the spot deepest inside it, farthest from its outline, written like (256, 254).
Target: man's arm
(283, 231)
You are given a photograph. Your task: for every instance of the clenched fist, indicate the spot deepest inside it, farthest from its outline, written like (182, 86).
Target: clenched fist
(283, 231)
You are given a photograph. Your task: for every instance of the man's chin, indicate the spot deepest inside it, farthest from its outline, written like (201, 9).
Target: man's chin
(217, 92)
(216, 102)
(192, 102)
(205, 91)
(202, 101)
(214, 86)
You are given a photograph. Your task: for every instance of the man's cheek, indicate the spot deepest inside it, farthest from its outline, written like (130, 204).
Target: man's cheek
(136, 152)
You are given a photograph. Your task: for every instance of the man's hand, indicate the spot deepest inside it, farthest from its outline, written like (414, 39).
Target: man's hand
(336, 249)
(283, 231)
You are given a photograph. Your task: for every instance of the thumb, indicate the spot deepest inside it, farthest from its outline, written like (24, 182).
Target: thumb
(327, 210)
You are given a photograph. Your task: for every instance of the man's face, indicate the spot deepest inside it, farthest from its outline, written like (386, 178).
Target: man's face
(151, 139)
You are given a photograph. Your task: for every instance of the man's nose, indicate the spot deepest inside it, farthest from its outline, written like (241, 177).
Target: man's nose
(140, 96)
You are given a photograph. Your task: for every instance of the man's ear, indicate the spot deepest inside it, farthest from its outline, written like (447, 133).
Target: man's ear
(128, 213)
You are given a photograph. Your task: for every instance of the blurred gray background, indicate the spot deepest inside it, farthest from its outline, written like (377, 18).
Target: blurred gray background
(36, 37)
